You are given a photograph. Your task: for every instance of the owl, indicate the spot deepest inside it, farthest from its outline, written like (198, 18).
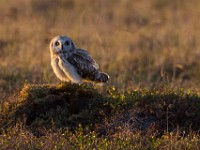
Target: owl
(71, 64)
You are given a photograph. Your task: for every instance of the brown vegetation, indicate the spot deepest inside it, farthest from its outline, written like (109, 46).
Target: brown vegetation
(139, 43)
(143, 45)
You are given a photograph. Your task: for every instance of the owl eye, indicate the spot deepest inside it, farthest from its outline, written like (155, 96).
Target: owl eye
(67, 43)
(57, 43)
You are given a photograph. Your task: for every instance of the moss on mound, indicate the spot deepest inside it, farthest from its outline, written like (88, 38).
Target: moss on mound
(56, 106)
(61, 106)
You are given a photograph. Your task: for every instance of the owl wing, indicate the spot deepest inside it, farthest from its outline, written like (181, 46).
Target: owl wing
(85, 65)
(85, 55)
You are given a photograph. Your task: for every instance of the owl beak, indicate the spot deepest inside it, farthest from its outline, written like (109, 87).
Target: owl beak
(61, 47)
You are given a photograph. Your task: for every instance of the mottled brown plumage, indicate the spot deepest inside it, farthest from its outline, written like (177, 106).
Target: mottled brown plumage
(72, 64)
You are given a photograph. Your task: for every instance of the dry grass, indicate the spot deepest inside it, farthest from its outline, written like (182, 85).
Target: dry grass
(140, 44)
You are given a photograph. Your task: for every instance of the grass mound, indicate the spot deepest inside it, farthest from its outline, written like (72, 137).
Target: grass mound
(54, 107)
(70, 116)
(62, 106)
(165, 110)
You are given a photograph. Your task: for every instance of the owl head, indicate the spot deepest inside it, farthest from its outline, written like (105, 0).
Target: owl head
(61, 44)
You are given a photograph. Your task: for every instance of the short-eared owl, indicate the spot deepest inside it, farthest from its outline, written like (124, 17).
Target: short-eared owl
(73, 64)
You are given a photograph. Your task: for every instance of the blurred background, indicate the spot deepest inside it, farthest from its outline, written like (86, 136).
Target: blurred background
(139, 43)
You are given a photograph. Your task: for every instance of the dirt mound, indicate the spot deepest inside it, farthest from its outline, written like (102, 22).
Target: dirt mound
(54, 107)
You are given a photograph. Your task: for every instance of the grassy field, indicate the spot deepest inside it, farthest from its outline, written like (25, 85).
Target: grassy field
(150, 49)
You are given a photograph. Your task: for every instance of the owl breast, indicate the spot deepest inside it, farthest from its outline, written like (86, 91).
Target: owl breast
(57, 70)
(65, 71)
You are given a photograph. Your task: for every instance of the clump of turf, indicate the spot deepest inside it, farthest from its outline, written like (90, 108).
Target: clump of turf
(163, 110)
(56, 106)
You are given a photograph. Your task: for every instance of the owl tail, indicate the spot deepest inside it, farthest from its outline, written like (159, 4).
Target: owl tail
(102, 77)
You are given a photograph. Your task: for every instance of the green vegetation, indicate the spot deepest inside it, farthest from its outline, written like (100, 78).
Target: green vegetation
(150, 49)
(77, 116)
